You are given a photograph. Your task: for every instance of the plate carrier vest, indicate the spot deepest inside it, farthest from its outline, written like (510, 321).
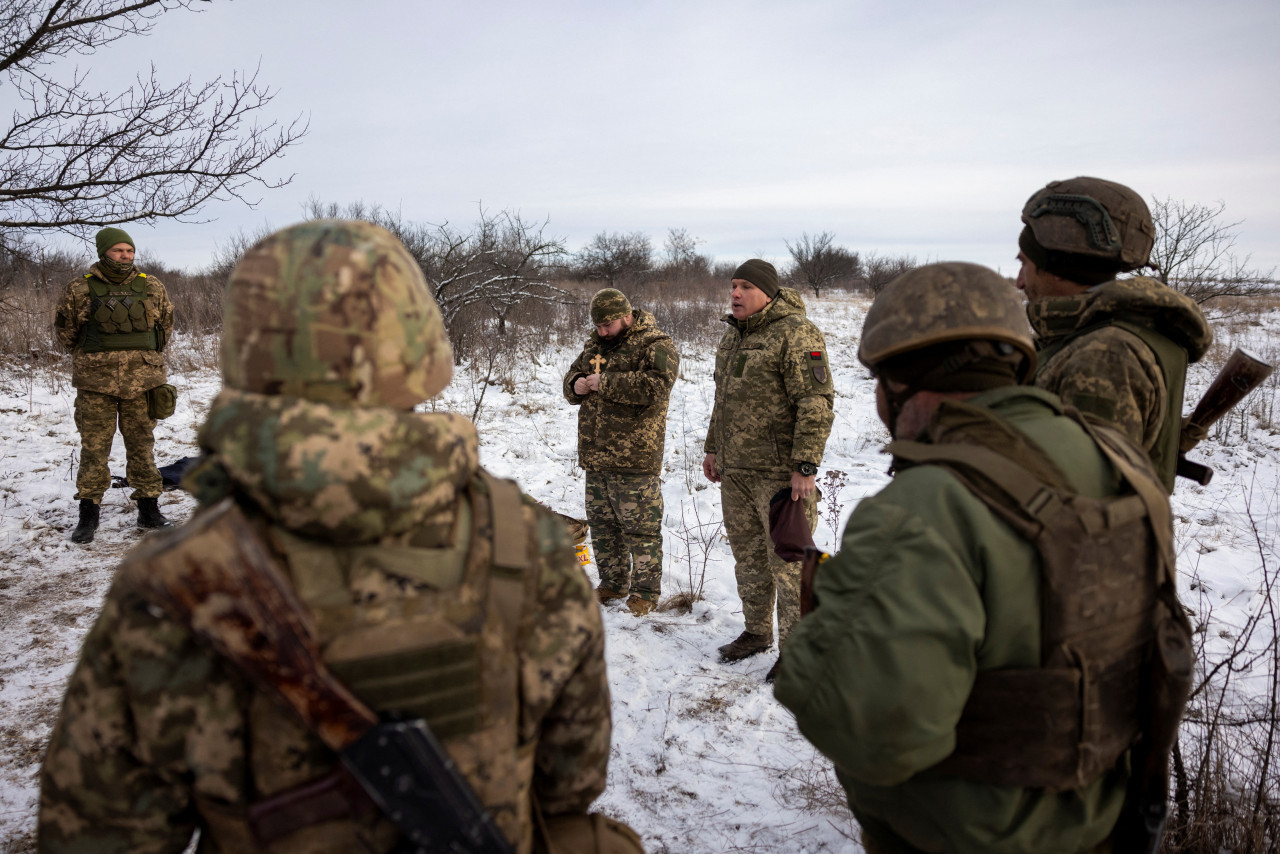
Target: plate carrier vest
(447, 654)
(1111, 625)
(118, 317)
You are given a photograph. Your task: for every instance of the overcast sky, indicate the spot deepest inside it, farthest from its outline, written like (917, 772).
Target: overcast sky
(902, 127)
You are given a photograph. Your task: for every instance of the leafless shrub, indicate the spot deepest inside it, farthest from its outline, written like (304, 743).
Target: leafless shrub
(880, 270)
(1226, 789)
(819, 264)
(699, 541)
(1195, 252)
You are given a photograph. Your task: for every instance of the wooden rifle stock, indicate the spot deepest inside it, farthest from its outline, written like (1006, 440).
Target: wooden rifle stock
(225, 586)
(1240, 375)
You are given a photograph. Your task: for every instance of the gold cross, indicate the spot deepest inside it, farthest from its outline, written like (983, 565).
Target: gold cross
(597, 361)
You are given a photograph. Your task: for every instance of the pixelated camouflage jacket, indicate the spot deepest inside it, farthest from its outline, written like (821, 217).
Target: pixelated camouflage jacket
(121, 373)
(623, 426)
(1101, 352)
(158, 736)
(774, 390)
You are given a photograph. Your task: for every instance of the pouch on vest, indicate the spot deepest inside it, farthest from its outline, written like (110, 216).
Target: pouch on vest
(162, 401)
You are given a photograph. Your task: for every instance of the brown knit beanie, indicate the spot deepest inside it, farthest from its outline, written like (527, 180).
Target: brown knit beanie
(761, 274)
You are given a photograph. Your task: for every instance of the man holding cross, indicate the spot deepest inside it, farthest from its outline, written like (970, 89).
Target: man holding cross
(622, 382)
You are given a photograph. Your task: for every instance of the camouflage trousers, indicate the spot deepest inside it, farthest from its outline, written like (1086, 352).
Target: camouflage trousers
(625, 515)
(96, 418)
(762, 576)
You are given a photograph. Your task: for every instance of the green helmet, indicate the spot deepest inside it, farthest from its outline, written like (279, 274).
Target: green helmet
(945, 303)
(336, 312)
(1100, 220)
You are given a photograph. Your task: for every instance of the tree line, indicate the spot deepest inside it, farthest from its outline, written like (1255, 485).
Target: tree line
(74, 158)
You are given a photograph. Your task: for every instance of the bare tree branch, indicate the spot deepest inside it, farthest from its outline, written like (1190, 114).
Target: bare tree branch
(1194, 252)
(73, 158)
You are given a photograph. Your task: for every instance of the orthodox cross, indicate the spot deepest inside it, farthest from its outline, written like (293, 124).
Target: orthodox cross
(597, 361)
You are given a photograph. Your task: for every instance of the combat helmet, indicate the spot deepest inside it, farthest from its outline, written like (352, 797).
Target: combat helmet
(947, 303)
(337, 312)
(1101, 221)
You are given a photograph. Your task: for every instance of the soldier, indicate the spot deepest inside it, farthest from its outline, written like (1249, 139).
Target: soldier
(1117, 349)
(1014, 573)
(768, 431)
(421, 598)
(622, 382)
(115, 322)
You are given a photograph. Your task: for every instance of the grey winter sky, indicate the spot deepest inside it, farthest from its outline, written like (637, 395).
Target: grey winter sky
(902, 127)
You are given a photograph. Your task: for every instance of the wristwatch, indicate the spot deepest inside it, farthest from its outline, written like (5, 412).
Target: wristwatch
(807, 469)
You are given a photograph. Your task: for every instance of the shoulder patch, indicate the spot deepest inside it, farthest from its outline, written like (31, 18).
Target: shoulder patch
(660, 358)
(818, 366)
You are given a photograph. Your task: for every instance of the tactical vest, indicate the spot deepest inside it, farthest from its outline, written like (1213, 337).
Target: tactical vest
(447, 654)
(1173, 366)
(118, 316)
(1108, 611)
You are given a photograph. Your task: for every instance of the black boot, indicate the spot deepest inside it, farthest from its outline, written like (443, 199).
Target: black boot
(88, 525)
(149, 514)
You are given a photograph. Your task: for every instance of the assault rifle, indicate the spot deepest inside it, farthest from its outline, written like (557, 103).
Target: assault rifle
(1240, 375)
(235, 599)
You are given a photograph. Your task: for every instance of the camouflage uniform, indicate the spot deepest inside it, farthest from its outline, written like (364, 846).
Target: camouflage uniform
(111, 384)
(772, 410)
(1120, 351)
(363, 502)
(621, 435)
(1116, 349)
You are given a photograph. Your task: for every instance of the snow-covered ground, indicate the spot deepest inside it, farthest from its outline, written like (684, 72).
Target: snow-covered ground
(704, 759)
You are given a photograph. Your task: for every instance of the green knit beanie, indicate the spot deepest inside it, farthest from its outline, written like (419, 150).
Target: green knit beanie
(762, 274)
(608, 305)
(109, 237)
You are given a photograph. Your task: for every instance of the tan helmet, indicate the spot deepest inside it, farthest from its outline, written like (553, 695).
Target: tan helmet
(337, 312)
(942, 303)
(1093, 218)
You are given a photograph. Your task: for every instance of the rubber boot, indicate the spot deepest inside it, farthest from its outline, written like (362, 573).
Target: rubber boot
(149, 515)
(88, 525)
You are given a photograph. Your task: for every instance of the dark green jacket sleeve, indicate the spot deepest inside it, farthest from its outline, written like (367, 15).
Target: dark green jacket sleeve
(878, 673)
